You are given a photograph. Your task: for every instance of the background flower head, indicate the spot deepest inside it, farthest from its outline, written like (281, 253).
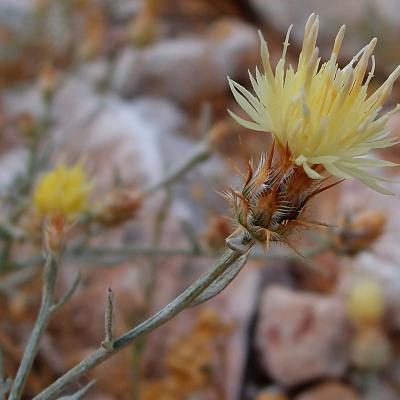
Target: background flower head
(63, 190)
(322, 113)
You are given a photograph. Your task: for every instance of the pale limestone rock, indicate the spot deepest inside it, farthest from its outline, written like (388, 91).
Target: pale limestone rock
(381, 262)
(364, 19)
(12, 164)
(115, 135)
(301, 336)
(188, 69)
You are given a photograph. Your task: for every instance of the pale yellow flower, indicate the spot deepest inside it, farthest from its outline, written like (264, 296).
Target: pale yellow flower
(365, 303)
(63, 190)
(323, 113)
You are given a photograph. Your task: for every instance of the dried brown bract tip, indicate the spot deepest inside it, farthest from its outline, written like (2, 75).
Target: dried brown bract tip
(217, 230)
(48, 80)
(358, 232)
(55, 232)
(118, 207)
(271, 203)
(26, 124)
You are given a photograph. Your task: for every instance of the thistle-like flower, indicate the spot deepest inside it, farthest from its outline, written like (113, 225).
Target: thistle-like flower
(323, 124)
(63, 191)
(322, 114)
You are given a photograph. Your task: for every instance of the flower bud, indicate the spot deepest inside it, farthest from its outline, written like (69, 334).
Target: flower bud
(359, 232)
(270, 205)
(62, 191)
(54, 234)
(217, 231)
(118, 207)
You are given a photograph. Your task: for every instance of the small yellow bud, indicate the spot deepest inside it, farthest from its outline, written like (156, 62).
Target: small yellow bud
(63, 191)
(365, 304)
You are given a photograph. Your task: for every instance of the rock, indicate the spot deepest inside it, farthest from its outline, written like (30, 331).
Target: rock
(188, 69)
(329, 391)
(363, 22)
(124, 134)
(12, 164)
(234, 307)
(123, 9)
(380, 263)
(15, 12)
(85, 311)
(379, 389)
(301, 336)
(271, 394)
(393, 153)
(236, 304)
(27, 100)
(95, 72)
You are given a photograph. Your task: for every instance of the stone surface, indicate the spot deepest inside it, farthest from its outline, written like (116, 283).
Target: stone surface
(381, 262)
(13, 12)
(11, 165)
(188, 69)
(237, 303)
(329, 391)
(27, 100)
(379, 389)
(125, 133)
(364, 20)
(85, 311)
(301, 336)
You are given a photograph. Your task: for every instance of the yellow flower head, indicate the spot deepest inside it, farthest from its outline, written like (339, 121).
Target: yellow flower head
(62, 191)
(366, 303)
(322, 114)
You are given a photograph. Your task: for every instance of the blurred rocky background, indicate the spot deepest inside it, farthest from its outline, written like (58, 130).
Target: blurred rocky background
(131, 87)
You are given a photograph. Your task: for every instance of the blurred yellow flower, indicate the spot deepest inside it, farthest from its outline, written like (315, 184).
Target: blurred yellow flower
(322, 113)
(63, 191)
(365, 303)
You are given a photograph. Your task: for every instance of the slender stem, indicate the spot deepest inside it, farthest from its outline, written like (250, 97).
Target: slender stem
(80, 394)
(164, 315)
(45, 312)
(4, 383)
(154, 251)
(149, 286)
(200, 153)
